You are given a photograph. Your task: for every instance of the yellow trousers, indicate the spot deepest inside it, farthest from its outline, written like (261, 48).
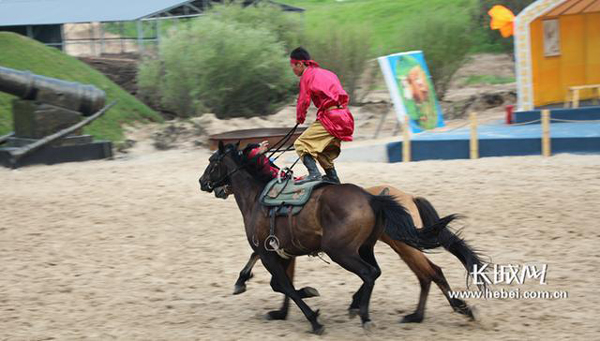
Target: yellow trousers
(321, 145)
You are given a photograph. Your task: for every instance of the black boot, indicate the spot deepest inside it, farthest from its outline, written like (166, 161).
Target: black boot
(331, 176)
(313, 171)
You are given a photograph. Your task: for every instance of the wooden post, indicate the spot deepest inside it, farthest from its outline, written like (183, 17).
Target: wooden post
(546, 133)
(122, 33)
(380, 124)
(63, 46)
(474, 143)
(140, 36)
(92, 39)
(102, 43)
(157, 28)
(406, 140)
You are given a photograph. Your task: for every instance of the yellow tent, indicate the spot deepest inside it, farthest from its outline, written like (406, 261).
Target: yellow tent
(557, 46)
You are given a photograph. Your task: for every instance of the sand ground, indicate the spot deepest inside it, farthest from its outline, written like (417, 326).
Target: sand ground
(130, 249)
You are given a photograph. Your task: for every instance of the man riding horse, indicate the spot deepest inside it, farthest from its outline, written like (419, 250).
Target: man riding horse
(322, 140)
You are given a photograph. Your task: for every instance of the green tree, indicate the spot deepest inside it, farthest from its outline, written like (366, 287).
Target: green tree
(345, 50)
(445, 38)
(231, 61)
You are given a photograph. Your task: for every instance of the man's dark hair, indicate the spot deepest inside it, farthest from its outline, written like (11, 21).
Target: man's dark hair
(300, 53)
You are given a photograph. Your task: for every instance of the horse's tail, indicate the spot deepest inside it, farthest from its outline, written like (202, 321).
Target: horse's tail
(399, 225)
(451, 241)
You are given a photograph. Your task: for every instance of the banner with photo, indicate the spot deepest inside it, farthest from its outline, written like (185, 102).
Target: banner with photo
(409, 82)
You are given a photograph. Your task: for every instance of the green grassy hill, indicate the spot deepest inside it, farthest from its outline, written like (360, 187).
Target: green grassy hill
(386, 19)
(21, 53)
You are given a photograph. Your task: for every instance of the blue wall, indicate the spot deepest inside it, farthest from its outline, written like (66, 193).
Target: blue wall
(586, 113)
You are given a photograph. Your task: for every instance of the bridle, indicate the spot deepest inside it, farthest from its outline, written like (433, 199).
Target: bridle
(221, 182)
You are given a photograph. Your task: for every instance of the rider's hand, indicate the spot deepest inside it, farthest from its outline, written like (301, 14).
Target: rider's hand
(263, 147)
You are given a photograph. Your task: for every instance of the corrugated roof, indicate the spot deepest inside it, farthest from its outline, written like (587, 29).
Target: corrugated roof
(574, 7)
(45, 12)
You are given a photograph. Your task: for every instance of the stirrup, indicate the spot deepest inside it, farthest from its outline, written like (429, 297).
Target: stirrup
(287, 174)
(326, 178)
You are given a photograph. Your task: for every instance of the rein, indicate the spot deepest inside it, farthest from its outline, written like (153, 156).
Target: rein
(283, 141)
(276, 148)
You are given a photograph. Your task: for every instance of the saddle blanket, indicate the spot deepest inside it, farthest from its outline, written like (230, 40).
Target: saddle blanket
(287, 193)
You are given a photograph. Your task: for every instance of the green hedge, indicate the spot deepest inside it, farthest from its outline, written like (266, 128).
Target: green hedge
(343, 49)
(231, 62)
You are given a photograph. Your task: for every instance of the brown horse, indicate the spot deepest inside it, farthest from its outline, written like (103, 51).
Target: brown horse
(345, 229)
(422, 213)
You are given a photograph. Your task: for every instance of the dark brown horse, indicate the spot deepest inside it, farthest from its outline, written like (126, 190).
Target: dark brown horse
(344, 221)
(422, 213)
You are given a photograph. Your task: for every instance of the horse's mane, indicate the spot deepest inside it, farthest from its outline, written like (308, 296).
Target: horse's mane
(254, 165)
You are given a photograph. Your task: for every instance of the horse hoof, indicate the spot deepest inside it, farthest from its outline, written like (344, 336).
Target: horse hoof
(463, 308)
(276, 315)
(311, 292)
(319, 330)
(412, 318)
(239, 288)
(369, 326)
(353, 312)
(474, 314)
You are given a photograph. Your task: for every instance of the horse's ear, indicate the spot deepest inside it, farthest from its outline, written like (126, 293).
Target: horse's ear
(237, 145)
(221, 146)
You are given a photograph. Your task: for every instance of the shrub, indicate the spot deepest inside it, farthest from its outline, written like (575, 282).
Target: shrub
(444, 38)
(345, 50)
(287, 27)
(222, 64)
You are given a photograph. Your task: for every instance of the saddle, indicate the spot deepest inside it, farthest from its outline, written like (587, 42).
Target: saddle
(285, 197)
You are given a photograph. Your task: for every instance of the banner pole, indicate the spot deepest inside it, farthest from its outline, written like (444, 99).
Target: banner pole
(546, 152)
(406, 140)
(474, 143)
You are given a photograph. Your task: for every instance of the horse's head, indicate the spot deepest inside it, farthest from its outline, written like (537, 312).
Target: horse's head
(216, 175)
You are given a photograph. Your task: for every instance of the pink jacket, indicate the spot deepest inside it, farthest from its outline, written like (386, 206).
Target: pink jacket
(324, 89)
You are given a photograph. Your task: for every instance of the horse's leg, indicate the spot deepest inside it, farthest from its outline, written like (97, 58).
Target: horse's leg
(426, 272)
(457, 304)
(368, 256)
(421, 267)
(245, 275)
(282, 283)
(281, 314)
(305, 292)
(353, 262)
(419, 313)
(354, 306)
